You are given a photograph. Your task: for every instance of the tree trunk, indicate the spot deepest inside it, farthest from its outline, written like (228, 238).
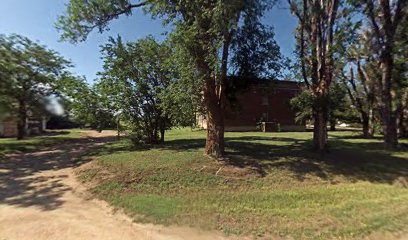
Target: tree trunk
(215, 137)
(390, 132)
(372, 121)
(368, 129)
(332, 124)
(156, 134)
(118, 127)
(389, 120)
(320, 132)
(215, 122)
(22, 120)
(389, 124)
(162, 130)
(403, 125)
(403, 117)
(215, 101)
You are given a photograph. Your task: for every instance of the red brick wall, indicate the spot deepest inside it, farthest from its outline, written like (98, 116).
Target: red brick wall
(250, 106)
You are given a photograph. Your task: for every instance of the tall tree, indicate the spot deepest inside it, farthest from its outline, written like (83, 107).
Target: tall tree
(384, 17)
(401, 72)
(135, 77)
(359, 77)
(205, 28)
(29, 73)
(255, 53)
(319, 33)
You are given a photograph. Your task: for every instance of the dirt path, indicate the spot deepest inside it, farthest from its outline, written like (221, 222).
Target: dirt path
(40, 199)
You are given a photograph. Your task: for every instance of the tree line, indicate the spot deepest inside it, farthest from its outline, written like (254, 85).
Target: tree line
(329, 35)
(354, 48)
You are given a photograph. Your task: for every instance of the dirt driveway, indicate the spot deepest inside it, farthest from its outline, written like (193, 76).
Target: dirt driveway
(40, 199)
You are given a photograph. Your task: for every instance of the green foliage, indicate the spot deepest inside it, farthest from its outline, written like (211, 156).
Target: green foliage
(202, 23)
(6, 106)
(343, 30)
(384, 30)
(29, 74)
(321, 37)
(362, 58)
(303, 105)
(84, 16)
(199, 26)
(337, 103)
(86, 105)
(136, 77)
(360, 84)
(182, 100)
(340, 105)
(202, 30)
(24, 60)
(255, 51)
(401, 76)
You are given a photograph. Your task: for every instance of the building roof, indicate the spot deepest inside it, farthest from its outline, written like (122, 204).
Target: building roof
(242, 83)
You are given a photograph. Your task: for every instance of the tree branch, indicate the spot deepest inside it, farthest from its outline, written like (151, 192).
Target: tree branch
(398, 16)
(371, 15)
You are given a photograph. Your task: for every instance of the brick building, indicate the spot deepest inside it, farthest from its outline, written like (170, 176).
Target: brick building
(261, 105)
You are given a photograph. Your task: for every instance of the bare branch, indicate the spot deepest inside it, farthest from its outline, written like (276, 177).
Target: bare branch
(371, 15)
(401, 5)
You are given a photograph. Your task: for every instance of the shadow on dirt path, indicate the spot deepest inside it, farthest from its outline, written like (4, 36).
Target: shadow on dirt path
(23, 178)
(40, 198)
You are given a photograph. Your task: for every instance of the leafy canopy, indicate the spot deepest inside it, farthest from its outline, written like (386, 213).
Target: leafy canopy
(29, 72)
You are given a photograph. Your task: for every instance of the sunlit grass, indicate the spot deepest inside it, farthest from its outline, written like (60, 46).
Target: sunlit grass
(273, 185)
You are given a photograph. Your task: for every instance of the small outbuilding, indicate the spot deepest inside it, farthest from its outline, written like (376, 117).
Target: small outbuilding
(8, 125)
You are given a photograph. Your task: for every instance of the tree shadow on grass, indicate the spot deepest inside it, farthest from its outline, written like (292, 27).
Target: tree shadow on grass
(355, 136)
(367, 161)
(353, 160)
(55, 133)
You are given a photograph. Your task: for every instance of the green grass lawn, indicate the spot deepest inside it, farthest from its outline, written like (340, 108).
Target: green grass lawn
(9, 145)
(273, 185)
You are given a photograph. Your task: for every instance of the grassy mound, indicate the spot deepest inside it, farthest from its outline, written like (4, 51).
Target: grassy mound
(270, 185)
